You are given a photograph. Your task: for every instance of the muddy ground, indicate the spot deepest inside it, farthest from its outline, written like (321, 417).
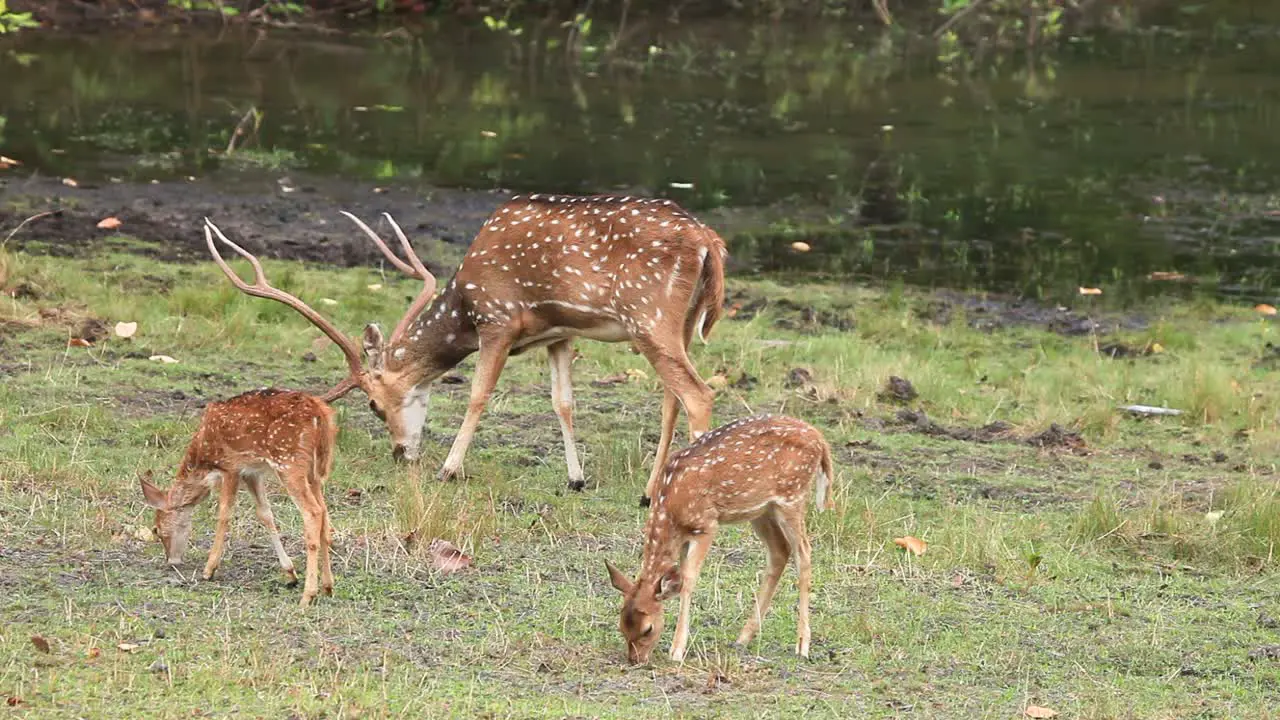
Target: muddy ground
(296, 217)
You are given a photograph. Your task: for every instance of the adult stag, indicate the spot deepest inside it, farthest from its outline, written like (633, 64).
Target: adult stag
(542, 271)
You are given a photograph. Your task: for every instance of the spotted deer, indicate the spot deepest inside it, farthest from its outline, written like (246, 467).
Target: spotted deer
(250, 438)
(542, 271)
(755, 470)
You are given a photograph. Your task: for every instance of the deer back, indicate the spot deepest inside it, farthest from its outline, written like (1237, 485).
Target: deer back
(735, 471)
(609, 266)
(282, 429)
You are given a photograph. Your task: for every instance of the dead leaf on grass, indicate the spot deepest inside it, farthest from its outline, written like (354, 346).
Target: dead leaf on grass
(800, 246)
(1042, 713)
(1168, 276)
(14, 701)
(636, 374)
(7, 162)
(717, 382)
(1265, 309)
(79, 342)
(1090, 291)
(93, 653)
(70, 182)
(163, 359)
(129, 647)
(126, 329)
(446, 557)
(109, 223)
(41, 643)
(914, 544)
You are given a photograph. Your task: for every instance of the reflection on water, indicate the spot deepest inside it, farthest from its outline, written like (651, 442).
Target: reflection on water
(1113, 158)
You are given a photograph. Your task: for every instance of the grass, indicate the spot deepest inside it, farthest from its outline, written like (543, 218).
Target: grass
(1132, 580)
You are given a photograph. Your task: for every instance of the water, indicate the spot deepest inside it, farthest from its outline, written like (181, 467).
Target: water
(1094, 165)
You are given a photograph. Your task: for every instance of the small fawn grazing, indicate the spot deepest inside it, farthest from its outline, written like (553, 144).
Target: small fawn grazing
(250, 438)
(756, 469)
(543, 271)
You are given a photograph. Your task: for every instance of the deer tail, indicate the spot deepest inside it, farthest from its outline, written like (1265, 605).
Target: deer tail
(710, 301)
(826, 476)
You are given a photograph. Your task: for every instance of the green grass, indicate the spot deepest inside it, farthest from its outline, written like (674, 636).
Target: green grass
(1133, 580)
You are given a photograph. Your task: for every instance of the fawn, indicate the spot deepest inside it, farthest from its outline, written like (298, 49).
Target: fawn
(755, 469)
(252, 437)
(542, 271)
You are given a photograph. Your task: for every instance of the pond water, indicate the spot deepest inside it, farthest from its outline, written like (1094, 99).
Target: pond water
(1096, 164)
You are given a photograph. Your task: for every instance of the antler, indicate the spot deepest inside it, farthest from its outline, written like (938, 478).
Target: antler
(261, 288)
(413, 268)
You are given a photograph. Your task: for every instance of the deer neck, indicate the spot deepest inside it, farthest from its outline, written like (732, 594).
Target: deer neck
(662, 546)
(436, 341)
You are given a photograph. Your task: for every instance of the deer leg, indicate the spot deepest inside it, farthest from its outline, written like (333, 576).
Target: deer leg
(326, 534)
(268, 520)
(560, 357)
(779, 551)
(492, 357)
(672, 364)
(670, 408)
(689, 570)
(793, 525)
(226, 503)
(313, 531)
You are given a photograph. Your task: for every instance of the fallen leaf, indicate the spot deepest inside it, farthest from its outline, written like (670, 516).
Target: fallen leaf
(446, 557)
(126, 329)
(1156, 348)
(636, 374)
(109, 223)
(681, 185)
(93, 653)
(328, 301)
(1035, 711)
(799, 246)
(1213, 516)
(14, 701)
(79, 342)
(7, 162)
(142, 533)
(70, 182)
(1265, 309)
(489, 133)
(1090, 291)
(163, 359)
(717, 382)
(129, 647)
(1166, 276)
(41, 644)
(914, 544)
(375, 287)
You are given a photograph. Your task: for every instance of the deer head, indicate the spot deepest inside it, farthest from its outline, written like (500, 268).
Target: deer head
(397, 389)
(174, 509)
(641, 621)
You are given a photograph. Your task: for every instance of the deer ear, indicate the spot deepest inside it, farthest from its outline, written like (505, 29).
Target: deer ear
(373, 344)
(670, 584)
(154, 496)
(619, 580)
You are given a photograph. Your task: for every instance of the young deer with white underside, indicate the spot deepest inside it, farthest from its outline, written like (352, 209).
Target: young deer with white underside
(251, 438)
(755, 470)
(542, 271)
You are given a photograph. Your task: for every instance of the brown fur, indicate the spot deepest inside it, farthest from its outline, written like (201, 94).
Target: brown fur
(542, 271)
(247, 438)
(755, 470)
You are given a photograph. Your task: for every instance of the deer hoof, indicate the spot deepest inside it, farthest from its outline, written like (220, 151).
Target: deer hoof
(645, 501)
(446, 475)
(291, 580)
(577, 485)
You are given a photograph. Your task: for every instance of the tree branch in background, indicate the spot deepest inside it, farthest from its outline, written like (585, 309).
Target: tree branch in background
(951, 21)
